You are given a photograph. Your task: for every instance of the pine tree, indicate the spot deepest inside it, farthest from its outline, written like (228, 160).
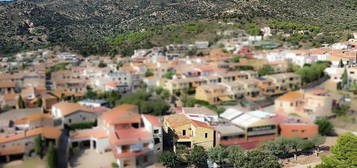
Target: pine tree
(344, 79)
(21, 103)
(51, 156)
(38, 145)
(340, 64)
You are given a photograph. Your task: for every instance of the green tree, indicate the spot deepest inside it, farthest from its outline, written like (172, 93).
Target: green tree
(279, 147)
(51, 156)
(198, 157)
(344, 153)
(218, 155)
(168, 75)
(236, 59)
(149, 73)
(253, 29)
(115, 165)
(169, 159)
(317, 140)
(182, 151)
(38, 145)
(21, 103)
(341, 110)
(344, 79)
(266, 70)
(340, 64)
(261, 159)
(102, 64)
(236, 156)
(91, 95)
(39, 102)
(325, 126)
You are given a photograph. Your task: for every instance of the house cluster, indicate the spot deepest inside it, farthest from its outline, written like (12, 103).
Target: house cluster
(19, 128)
(203, 127)
(45, 97)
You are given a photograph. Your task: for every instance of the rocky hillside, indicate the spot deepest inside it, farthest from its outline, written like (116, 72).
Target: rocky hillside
(26, 24)
(33, 23)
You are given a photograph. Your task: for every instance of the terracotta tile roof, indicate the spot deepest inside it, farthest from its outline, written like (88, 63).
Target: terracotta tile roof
(129, 136)
(200, 124)
(132, 133)
(10, 96)
(37, 116)
(125, 113)
(47, 132)
(67, 108)
(319, 91)
(290, 96)
(112, 84)
(97, 133)
(177, 120)
(7, 84)
(12, 150)
(153, 120)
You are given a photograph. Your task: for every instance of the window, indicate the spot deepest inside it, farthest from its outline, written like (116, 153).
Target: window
(184, 132)
(126, 163)
(125, 148)
(156, 131)
(70, 120)
(302, 131)
(146, 145)
(206, 135)
(146, 158)
(156, 140)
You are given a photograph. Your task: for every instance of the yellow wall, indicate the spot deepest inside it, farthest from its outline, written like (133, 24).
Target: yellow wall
(199, 138)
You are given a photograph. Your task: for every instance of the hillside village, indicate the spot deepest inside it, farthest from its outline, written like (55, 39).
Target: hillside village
(172, 99)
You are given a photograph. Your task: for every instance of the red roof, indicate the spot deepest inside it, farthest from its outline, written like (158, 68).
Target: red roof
(125, 113)
(113, 84)
(132, 133)
(153, 120)
(201, 124)
(89, 133)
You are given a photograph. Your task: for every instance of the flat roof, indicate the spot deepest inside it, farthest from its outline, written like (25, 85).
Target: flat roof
(231, 114)
(229, 130)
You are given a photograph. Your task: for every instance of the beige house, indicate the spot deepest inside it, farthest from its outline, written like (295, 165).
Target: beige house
(306, 104)
(285, 82)
(72, 113)
(213, 94)
(188, 132)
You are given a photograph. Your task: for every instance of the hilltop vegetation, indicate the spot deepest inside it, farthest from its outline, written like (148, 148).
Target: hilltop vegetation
(85, 25)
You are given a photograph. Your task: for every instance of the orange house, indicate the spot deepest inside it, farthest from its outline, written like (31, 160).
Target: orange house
(304, 130)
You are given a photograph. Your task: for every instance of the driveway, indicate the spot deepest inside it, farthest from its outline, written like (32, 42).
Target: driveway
(90, 158)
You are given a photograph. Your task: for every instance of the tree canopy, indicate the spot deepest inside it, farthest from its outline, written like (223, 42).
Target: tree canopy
(198, 157)
(266, 70)
(169, 159)
(344, 153)
(325, 126)
(217, 155)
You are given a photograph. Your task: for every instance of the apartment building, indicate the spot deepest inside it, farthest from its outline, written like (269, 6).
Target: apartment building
(134, 139)
(285, 82)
